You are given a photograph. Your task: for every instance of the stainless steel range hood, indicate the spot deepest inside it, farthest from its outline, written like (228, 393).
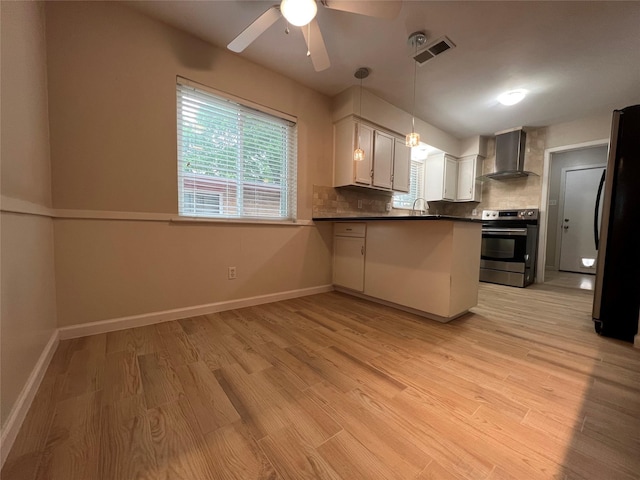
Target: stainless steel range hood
(510, 156)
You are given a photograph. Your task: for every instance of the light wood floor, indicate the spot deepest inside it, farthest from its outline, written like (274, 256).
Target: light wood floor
(569, 280)
(334, 387)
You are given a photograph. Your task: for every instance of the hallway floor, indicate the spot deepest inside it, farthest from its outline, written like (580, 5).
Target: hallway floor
(569, 280)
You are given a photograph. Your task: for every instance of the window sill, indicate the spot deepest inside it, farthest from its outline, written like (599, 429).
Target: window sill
(243, 221)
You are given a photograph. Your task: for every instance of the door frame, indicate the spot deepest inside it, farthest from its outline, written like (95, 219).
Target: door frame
(561, 203)
(544, 199)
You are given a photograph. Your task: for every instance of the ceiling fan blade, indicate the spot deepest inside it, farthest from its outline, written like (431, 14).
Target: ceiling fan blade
(381, 9)
(316, 46)
(253, 31)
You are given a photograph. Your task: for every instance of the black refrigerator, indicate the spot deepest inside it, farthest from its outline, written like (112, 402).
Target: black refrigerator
(616, 302)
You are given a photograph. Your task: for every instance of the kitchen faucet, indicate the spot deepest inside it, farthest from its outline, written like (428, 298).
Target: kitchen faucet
(424, 206)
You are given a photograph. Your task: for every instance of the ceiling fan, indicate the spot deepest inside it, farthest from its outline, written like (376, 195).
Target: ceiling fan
(302, 13)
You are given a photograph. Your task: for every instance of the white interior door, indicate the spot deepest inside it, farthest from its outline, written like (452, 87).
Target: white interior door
(578, 251)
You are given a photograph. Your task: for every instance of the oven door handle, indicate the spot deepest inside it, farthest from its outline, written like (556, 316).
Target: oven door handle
(505, 231)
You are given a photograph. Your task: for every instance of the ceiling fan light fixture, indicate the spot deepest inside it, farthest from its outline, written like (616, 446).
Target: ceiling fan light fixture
(298, 12)
(512, 97)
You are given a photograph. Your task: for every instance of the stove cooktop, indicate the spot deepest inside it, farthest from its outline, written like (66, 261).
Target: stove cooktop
(530, 215)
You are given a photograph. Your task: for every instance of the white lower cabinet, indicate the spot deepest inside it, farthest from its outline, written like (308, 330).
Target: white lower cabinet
(348, 255)
(428, 267)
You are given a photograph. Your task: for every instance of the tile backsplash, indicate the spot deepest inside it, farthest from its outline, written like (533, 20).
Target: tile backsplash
(514, 193)
(349, 201)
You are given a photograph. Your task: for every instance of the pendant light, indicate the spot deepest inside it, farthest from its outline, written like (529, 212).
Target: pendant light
(361, 73)
(415, 39)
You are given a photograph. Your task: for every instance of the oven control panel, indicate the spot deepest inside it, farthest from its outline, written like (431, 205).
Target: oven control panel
(528, 214)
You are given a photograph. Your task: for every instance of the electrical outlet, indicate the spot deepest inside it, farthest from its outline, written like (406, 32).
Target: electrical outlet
(359, 203)
(232, 273)
(388, 206)
(474, 212)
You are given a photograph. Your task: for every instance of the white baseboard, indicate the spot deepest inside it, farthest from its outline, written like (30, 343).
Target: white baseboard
(28, 393)
(104, 326)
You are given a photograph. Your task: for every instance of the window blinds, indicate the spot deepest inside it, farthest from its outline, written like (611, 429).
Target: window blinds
(416, 178)
(234, 161)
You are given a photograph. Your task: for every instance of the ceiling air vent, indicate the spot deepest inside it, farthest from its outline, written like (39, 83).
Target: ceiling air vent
(433, 49)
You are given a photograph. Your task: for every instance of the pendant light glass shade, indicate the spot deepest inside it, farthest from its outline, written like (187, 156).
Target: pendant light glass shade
(358, 154)
(413, 139)
(298, 12)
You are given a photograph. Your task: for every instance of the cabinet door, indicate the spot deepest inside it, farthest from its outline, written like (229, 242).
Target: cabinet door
(434, 178)
(469, 187)
(362, 170)
(450, 178)
(401, 167)
(382, 160)
(466, 179)
(348, 262)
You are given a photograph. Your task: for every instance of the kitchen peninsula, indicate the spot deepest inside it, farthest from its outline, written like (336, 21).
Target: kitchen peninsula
(428, 265)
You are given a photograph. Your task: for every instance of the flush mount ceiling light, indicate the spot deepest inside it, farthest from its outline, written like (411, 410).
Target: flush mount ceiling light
(361, 73)
(298, 12)
(416, 39)
(512, 97)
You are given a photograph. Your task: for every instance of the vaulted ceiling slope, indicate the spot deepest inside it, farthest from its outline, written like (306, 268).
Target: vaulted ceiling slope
(576, 58)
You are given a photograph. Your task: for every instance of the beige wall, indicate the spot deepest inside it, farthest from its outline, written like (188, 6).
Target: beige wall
(28, 313)
(587, 129)
(115, 269)
(112, 74)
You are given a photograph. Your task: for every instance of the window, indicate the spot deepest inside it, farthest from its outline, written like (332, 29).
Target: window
(235, 160)
(405, 200)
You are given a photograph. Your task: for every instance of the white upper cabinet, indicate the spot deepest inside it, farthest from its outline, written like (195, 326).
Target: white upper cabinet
(401, 167)
(347, 135)
(381, 161)
(469, 188)
(441, 177)
(454, 180)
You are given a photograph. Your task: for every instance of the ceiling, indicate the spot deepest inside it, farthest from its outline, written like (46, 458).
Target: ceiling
(576, 59)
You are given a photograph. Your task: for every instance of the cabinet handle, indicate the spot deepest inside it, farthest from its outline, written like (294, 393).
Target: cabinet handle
(362, 250)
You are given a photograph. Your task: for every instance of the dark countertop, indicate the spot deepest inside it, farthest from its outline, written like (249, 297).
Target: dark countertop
(396, 218)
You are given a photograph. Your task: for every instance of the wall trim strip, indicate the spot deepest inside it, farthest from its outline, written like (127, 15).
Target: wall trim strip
(16, 205)
(111, 325)
(28, 393)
